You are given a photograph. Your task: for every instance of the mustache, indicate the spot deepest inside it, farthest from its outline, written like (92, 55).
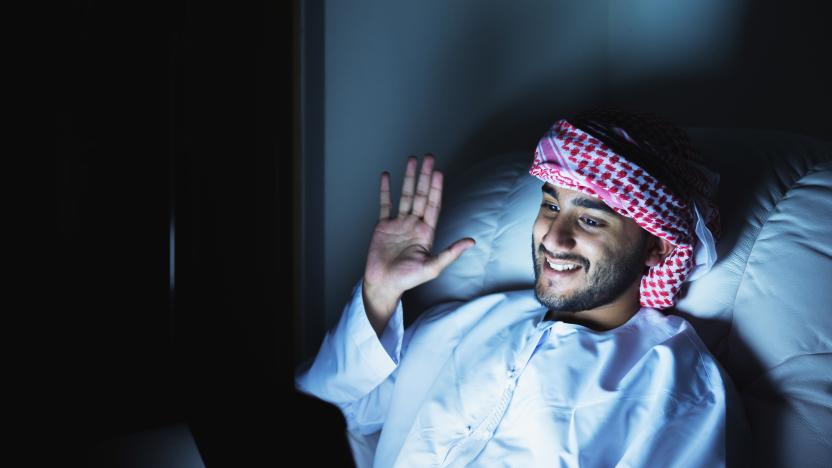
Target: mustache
(565, 257)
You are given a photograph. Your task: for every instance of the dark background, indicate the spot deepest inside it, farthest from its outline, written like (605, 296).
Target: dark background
(181, 113)
(176, 113)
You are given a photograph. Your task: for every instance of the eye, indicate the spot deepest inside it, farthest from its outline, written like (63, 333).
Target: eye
(591, 222)
(550, 207)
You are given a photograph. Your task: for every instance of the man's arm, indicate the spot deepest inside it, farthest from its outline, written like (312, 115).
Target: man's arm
(358, 376)
(354, 368)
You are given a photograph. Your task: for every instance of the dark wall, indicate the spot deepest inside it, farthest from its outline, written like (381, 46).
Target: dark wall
(748, 63)
(173, 120)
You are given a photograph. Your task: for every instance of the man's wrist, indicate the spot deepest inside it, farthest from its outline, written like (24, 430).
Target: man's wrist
(380, 304)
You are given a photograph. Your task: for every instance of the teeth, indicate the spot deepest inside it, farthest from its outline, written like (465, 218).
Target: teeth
(557, 267)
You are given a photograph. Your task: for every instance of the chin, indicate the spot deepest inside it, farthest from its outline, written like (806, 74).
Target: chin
(549, 296)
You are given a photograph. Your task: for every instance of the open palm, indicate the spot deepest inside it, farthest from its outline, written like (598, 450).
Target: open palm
(400, 256)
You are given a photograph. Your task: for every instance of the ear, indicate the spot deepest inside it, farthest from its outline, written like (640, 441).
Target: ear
(657, 250)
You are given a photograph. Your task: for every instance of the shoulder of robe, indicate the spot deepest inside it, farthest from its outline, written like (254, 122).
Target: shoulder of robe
(678, 353)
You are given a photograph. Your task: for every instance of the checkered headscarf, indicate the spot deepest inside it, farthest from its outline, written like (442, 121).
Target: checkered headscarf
(669, 194)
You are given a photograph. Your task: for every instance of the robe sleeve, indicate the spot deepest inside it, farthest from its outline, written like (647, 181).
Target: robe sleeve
(354, 369)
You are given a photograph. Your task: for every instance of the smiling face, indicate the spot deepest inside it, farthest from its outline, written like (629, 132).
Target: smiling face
(586, 256)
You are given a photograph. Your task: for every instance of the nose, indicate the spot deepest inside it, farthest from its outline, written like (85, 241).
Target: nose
(560, 235)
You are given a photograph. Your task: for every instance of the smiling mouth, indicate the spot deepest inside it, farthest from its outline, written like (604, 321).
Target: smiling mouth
(561, 266)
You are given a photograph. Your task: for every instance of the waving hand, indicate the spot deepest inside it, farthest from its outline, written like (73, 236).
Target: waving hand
(400, 255)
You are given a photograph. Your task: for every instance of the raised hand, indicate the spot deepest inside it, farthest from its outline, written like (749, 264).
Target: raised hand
(400, 256)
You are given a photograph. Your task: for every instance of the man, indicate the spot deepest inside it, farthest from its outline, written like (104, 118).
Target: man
(582, 371)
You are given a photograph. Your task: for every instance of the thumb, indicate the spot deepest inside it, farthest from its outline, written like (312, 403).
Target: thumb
(449, 255)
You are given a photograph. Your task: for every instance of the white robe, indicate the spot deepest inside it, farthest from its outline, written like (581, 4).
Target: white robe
(490, 383)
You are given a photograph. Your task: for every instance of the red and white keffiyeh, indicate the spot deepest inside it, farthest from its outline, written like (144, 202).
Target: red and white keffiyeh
(573, 159)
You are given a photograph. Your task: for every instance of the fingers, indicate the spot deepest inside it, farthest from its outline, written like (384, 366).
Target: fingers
(406, 201)
(384, 197)
(434, 200)
(447, 256)
(423, 186)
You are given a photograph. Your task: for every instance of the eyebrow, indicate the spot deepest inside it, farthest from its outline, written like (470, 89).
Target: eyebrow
(581, 201)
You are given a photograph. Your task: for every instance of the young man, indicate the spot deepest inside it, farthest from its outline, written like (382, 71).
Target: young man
(584, 370)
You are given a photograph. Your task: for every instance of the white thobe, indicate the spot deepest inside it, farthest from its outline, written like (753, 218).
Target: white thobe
(490, 383)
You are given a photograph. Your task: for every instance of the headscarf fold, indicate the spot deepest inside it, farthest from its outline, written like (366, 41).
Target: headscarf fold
(571, 158)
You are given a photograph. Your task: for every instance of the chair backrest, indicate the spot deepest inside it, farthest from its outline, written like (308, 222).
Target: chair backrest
(764, 310)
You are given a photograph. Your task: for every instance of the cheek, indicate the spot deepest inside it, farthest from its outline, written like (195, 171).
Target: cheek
(614, 249)
(595, 250)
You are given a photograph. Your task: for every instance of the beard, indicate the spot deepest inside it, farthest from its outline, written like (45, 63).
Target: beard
(611, 276)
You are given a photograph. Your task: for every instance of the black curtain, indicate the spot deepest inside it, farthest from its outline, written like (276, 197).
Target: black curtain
(173, 130)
